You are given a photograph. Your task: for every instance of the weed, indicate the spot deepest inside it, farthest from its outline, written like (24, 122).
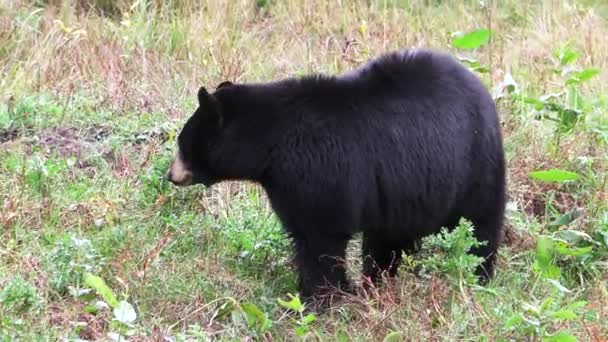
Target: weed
(68, 261)
(18, 296)
(448, 254)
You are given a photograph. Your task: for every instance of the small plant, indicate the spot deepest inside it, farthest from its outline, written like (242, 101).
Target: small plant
(256, 318)
(566, 108)
(17, 296)
(303, 322)
(471, 41)
(244, 314)
(535, 320)
(40, 173)
(262, 6)
(155, 183)
(572, 250)
(255, 235)
(69, 260)
(124, 313)
(447, 253)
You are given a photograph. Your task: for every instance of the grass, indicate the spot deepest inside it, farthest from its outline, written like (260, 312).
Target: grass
(92, 94)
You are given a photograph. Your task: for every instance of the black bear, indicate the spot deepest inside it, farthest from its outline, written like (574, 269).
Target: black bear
(404, 145)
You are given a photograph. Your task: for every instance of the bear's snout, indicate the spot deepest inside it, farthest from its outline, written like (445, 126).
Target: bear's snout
(179, 173)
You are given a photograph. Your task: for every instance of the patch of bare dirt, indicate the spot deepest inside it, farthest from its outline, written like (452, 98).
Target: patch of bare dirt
(69, 141)
(93, 327)
(517, 240)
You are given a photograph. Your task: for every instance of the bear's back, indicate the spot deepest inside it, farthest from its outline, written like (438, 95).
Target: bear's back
(401, 136)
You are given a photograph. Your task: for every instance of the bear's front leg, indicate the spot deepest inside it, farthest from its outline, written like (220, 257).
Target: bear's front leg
(321, 266)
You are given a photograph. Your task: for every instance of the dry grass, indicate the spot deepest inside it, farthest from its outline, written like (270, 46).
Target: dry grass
(93, 98)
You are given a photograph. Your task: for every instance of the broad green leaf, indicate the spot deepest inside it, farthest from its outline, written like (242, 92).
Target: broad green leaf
(565, 315)
(576, 305)
(514, 321)
(92, 309)
(294, 304)
(560, 337)
(566, 219)
(587, 74)
(552, 272)
(99, 285)
(544, 251)
(564, 249)
(567, 56)
(554, 175)
(125, 313)
(301, 330)
(546, 303)
(472, 40)
(394, 336)
(309, 319)
(255, 317)
(568, 118)
(225, 309)
(538, 104)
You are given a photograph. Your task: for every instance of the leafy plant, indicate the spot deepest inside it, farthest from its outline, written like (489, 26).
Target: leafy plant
(471, 41)
(18, 296)
(536, 319)
(545, 258)
(123, 311)
(447, 253)
(69, 260)
(155, 183)
(566, 107)
(99, 285)
(256, 318)
(303, 322)
(255, 235)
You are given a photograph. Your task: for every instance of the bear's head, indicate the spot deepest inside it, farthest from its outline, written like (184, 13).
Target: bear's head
(197, 143)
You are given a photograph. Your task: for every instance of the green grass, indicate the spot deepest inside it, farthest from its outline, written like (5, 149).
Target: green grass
(92, 94)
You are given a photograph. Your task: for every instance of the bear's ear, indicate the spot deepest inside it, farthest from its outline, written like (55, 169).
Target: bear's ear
(203, 96)
(211, 106)
(224, 84)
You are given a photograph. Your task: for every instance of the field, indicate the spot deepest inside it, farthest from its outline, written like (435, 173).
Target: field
(96, 245)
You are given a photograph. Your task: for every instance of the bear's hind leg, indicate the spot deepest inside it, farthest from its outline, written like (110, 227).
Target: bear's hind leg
(380, 257)
(487, 230)
(320, 262)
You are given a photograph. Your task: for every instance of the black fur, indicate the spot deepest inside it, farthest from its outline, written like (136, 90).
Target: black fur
(406, 144)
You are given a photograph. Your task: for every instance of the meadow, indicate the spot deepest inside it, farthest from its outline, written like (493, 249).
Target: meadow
(96, 245)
